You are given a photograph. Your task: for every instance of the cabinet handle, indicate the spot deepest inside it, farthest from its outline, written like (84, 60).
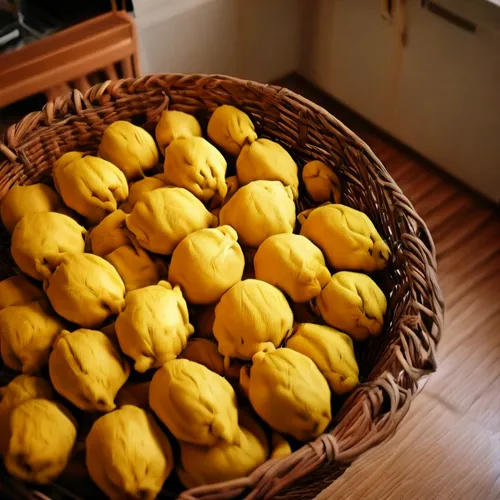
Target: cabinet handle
(448, 15)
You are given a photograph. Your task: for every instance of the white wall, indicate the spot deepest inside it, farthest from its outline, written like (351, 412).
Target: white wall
(440, 93)
(253, 39)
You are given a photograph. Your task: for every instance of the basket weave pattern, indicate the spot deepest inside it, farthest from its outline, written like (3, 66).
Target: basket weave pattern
(392, 364)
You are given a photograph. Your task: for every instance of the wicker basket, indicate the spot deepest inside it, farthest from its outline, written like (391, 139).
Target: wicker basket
(391, 365)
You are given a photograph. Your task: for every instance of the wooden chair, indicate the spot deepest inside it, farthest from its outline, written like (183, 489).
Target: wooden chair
(65, 59)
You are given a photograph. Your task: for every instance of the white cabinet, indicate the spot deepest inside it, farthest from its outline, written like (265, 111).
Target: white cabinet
(439, 92)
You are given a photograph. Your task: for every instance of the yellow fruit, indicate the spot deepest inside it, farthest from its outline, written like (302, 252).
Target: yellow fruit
(331, 351)
(206, 353)
(136, 394)
(231, 128)
(22, 200)
(134, 265)
(87, 369)
(194, 164)
(252, 316)
(111, 233)
(130, 148)
(128, 456)
(321, 182)
(18, 290)
(91, 186)
(41, 238)
(175, 125)
(85, 289)
(196, 404)
(288, 392)
(280, 446)
(224, 461)
(137, 189)
(27, 333)
(267, 160)
(19, 390)
(353, 302)
(259, 210)
(154, 325)
(43, 436)
(293, 264)
(206, 264)
(346, 236)
(164, 217)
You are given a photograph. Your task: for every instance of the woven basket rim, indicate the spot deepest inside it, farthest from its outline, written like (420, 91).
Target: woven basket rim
(374, 409)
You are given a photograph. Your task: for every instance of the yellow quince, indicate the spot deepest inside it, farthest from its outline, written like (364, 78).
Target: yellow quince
(138, 188)
(196, 404)
(293, 264)
(85, 289)
(130, 148)
(252, 316)
(331, 351)
(128, 455)
(87, 369)
(18, 290)
(259, 210)
(154, 327)
(322, 183)
(41, 238)
(353, 303)
(346, 236)
(111, 233)
(175, 125)
(267, 160)
(206, 353)
(91, 186)
(288, 392)
(231, 128)
(22, 200)
(165, 216)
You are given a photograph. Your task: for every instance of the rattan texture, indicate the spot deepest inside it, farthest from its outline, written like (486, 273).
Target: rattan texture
(392, 365)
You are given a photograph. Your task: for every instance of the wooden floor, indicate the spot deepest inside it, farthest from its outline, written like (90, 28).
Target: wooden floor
(448, 446)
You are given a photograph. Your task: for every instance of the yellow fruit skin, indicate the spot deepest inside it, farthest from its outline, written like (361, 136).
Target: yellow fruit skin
(130, 148)
(128, 456)
(353, 303)
(19, 390)
(164, 217)
(137, 189)
(196, 404)
(206, 353)
(321, 182)
(231, 128)
(267, 160)
(22, 200)
(134, 265)
(293, 264)
(154, 327)
(331, 351)
(43, 437)
(87, 369)
(85, 289)
(194, 164)
(252, 316)
(91, 186)
(41, 238)
(206, 264)
(346, 236)
(224, 461)
(175, 125)
(111, 233)
(232, 185)
(18, 290)
(259, 210)
(288, 392)
(27, 333)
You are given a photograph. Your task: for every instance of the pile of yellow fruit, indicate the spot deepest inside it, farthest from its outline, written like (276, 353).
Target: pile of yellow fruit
(193, 279)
